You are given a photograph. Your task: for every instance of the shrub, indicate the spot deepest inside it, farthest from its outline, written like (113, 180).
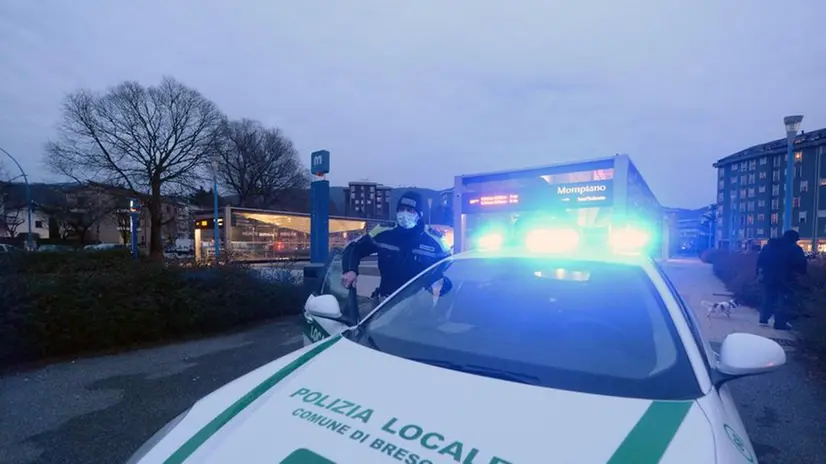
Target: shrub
(738, 272)
(54, 304)
(708, 255)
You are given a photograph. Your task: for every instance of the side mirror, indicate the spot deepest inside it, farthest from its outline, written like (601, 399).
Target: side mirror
(325, 306)
(745, 354)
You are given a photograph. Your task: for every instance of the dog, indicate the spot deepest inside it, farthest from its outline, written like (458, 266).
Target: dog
(724, 307)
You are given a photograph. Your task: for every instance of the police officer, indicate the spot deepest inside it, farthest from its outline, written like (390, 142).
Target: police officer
(404, 250)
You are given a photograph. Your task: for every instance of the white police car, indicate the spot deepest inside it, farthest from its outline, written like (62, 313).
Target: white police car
(491, 357)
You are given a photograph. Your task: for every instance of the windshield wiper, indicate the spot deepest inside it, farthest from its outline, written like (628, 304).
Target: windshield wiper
(360, 333)
(481, 370)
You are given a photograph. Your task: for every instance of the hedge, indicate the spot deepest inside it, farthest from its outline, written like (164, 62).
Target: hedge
(808, 313)
(58, 304)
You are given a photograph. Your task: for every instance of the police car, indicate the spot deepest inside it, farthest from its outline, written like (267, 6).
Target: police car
(535, 354)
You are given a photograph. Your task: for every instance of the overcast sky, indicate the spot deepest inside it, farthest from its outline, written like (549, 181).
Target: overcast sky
(415, 92)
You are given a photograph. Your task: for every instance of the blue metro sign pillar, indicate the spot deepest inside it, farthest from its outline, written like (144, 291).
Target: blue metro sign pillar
(319, 207)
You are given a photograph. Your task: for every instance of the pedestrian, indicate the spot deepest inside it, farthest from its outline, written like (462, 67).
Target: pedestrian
(779, 265)
(404, 250)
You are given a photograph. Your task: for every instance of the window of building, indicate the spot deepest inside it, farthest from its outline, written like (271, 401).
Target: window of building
(750, 219)
(720, 197)
(776, 175)
(775, 190)
(733, 179)
(743, 179)
(721, 173)
(804, 186)
(796, 202)
(752, 165)
(721, 185)
(761, 189)
(775, 232)
(822, 182)
(752, 178)
(774, 218)
(751, 192)
(760, 231)
(735, 167)
(763, 174)
(763, 160)
(751, 206)
(775, 203)
(761, 217)
(761, 203)
(743, 165)
(38, 224)
(803, 216)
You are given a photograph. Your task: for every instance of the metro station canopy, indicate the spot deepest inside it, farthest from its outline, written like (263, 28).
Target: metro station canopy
(590, 193)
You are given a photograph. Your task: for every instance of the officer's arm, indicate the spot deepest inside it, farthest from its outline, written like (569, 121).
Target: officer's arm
(761, 260)
(800, 261)
(355, 251)
(441, 247)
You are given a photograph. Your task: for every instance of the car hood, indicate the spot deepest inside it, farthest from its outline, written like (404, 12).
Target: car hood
(340, 402)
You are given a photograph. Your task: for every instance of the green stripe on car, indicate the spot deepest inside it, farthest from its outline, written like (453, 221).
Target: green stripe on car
(192, 445)
(313, 330)
(650, 437)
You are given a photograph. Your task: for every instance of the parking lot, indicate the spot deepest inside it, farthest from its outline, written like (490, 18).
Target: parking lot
(101, 409)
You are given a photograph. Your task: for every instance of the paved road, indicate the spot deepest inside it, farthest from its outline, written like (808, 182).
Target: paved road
(99, 410)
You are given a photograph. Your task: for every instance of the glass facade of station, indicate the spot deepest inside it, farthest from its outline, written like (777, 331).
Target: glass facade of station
(260, 235)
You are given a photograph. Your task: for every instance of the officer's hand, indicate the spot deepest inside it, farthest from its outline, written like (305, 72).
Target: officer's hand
(348, 279)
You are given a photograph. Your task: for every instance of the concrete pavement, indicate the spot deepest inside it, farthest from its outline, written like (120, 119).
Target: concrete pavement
(101, 409)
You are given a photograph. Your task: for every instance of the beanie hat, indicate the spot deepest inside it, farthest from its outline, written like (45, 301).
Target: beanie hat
(413, 200)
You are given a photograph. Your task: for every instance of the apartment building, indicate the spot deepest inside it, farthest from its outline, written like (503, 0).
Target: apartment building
(751, 192)
(367, 200)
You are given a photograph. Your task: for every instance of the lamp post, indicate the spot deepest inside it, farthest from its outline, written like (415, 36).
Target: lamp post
(134, 215)
(29, 238)
(792, 124)
(216, 231)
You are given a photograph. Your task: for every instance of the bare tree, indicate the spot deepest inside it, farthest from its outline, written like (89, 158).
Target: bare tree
(150, 141)
(259, 165)
(80, 210)
(11, 220)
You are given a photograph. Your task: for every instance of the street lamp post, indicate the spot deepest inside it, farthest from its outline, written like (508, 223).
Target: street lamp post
(216, 231)
(134, 215)
(29, 238)
(792, 124)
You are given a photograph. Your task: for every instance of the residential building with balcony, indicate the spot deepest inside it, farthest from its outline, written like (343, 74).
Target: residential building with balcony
(751, 191)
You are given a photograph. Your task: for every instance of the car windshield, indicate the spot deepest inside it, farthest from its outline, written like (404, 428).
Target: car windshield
(583, 326)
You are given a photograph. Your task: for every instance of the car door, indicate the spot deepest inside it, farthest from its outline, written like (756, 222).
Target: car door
(318, 328)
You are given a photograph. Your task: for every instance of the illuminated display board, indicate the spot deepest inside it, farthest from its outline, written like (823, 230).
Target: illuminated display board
(575, 195)
(208, 223)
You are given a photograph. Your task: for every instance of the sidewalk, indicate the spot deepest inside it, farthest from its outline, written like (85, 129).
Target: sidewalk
(696, 282)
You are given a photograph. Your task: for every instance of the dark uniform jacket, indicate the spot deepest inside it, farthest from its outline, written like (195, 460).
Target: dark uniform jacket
(781, 261)
(402, 253)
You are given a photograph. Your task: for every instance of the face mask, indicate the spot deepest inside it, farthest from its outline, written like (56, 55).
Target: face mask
(407, 219)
